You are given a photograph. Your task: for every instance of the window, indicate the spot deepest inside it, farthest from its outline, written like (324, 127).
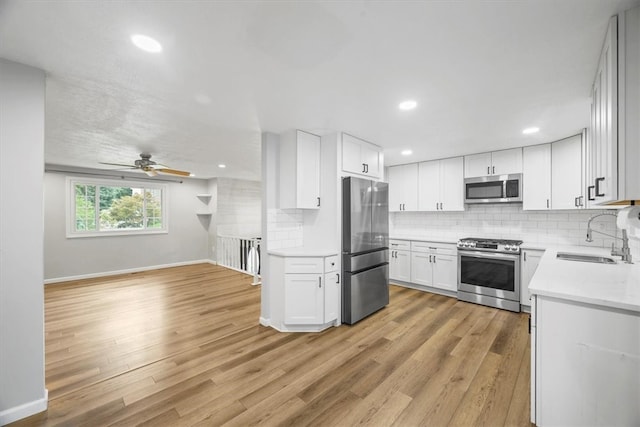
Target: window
(106, 208)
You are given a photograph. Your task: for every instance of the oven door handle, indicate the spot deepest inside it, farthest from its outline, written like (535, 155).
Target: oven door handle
(489, 255)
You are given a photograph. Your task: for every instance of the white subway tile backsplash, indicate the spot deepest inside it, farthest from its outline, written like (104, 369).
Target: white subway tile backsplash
(507, 221)
(284, 228)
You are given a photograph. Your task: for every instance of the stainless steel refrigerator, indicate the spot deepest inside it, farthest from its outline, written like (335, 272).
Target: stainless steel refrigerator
(365, 248)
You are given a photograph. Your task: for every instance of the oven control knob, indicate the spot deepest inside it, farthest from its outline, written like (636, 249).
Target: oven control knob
(507, 247)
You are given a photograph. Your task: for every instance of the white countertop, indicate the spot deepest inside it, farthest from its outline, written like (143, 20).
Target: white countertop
(425, 239)
(608, 285)
(302, 251)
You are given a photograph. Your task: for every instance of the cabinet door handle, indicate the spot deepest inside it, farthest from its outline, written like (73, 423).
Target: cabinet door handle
(319, 282)
(404, 207)
(488, 170)
(429, 258)
(575, 202)
(337, 277)
(581, 201)
(440, 205)
(547, 203)
(318, 201)
(525, 255)
(437, 206)
(434, 259)
(493, 170)
(598, 181)
(589, 188)
(364, 168)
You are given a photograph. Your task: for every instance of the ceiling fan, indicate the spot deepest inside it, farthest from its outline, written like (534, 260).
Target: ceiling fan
(150, 167)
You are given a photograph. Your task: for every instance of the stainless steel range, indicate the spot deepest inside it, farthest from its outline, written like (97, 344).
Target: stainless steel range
(489, 272)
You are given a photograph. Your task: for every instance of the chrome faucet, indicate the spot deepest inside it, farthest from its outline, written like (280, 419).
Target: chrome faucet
(624, 252)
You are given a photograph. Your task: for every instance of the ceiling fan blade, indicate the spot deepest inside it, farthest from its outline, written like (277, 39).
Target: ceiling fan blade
(173, 171)
(150, 171)
(118, 164)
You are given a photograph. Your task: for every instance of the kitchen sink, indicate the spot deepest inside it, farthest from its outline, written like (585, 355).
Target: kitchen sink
(567, 256)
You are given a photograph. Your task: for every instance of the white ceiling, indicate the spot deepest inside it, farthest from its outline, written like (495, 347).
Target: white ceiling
(481, 71)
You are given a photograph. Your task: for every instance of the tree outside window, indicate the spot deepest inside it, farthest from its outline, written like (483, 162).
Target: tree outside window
(101, 208)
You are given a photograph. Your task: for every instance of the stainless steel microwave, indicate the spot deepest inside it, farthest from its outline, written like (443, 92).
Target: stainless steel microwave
(493, 189)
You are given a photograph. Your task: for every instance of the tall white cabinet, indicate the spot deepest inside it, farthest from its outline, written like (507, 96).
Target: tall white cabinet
(613, 152)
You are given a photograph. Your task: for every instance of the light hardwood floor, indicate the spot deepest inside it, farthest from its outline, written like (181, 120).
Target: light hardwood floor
(182, 346)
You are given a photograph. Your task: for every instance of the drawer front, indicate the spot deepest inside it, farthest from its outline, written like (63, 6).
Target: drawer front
(439, 248)
(303, 265)
(399, 244)
(331, 263)
(444, 249)
(422, 246)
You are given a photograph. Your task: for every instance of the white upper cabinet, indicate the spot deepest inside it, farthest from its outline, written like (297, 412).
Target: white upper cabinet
(299, 170)
(403, 188)
(452, 184)
(361, 157)
(494, 163)
(566, 174)
(552, 175)
(441, 185)
(613, 150)
(604, 110)
(536, 170)
(477, 165)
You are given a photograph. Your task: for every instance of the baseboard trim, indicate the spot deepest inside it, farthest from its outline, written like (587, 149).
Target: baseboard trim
(126, 271)
(265, 322)
(25, 410)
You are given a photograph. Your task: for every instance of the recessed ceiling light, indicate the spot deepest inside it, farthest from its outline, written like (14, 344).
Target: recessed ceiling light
(146, 43)
(406, 152)
(409, 104)
(529, 131)
(222, 166)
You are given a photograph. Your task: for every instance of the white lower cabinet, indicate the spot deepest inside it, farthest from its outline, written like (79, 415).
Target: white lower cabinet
(530, 260)
(311, 290)
(586, 369)
(422, 268)
(400, 265)
(400, 260)
(445, 272)
(434, 265)
(303, 299)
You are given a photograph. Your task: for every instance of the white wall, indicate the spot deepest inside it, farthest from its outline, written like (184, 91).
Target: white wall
(238, 208)
(186, 241)
(22, 388)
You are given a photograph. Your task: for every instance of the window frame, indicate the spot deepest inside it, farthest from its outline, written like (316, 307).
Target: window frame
(71, 183)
